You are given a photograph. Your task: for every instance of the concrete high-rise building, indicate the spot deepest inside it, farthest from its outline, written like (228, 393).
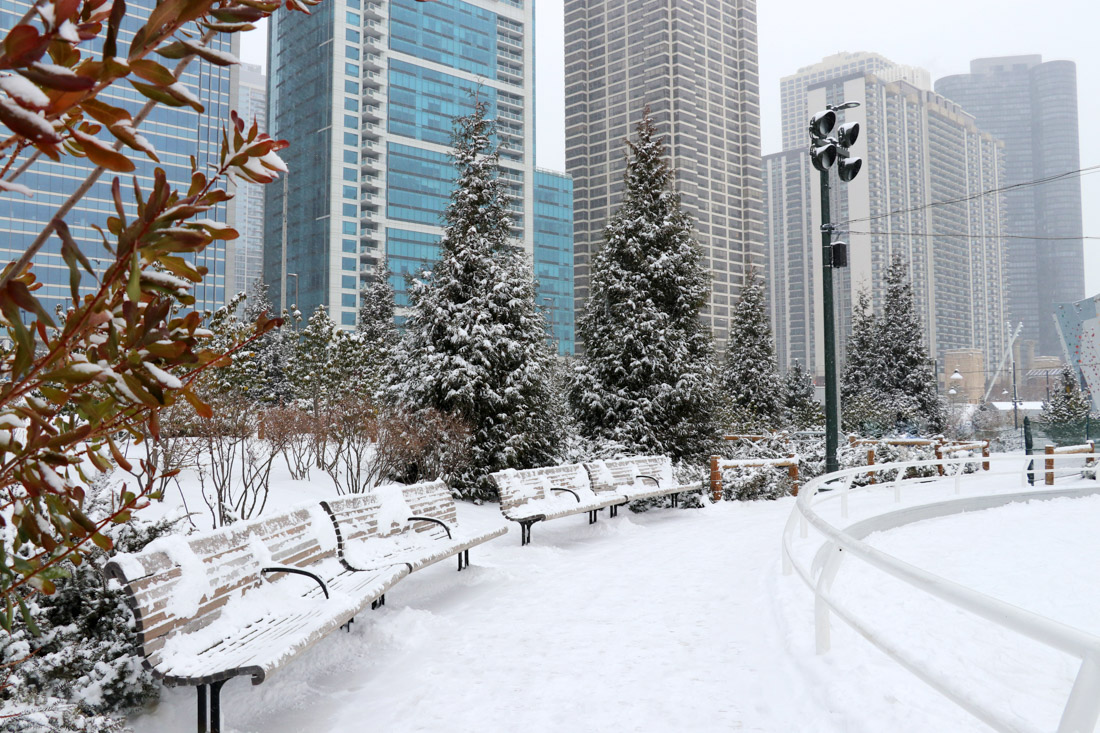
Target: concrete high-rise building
(367, 90)
(694, 64)
(918, 149)
(789, 237)
(1032, 106)
(177, 133)
(795, 113)
(247, 206)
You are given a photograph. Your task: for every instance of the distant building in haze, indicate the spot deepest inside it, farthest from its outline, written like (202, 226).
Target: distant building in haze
(1032, 107)
(250, 101)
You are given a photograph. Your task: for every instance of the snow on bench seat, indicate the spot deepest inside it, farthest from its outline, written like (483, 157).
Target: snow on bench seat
(540, 494)
(231, 602)
(415, 525)
(636, 477)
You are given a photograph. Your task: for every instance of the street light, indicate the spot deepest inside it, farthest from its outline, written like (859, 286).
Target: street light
(956, 380)
(826, 151)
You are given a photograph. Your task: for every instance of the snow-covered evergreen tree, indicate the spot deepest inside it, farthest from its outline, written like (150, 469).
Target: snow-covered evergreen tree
(376, 327)
(862, 366)
(750, 377)
(889, 380)
(1064, 414)
(647, 378)
(909, 375)
(311, 372)
(800, 410)
(475, 346)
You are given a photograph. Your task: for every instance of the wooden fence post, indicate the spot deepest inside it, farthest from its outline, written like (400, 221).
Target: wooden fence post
(939, 457)
(871, 462)
(1050, 465)
(792, 471)
(985, 455)
(715, 479)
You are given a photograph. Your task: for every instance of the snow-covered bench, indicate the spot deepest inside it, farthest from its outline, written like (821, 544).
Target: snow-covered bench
(242, 600)
(540, 494)
(413, 525)
(636, 477)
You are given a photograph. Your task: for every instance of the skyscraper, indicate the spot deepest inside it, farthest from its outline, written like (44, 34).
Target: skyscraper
(694, 64)
(366, 90)
(247, 206)
(789, 240)
(793, 89)
(918, 149)
(1032, 106)
(177, 133)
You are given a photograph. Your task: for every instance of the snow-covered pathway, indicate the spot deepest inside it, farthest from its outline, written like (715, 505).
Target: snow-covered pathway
(673, 620)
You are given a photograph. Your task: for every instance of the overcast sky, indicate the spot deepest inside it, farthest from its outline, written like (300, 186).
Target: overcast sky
(939, 35)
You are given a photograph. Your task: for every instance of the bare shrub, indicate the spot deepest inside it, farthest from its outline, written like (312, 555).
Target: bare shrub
(292, 432)
(236, 470)
(421, 446)
(350, 433)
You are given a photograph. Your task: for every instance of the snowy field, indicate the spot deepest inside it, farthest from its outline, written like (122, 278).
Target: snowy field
(681, 620)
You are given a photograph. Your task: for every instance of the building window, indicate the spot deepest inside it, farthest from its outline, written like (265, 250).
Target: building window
(349, 282)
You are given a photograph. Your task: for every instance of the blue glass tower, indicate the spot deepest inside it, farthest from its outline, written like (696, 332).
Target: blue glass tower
(367, 91)
(177, 133)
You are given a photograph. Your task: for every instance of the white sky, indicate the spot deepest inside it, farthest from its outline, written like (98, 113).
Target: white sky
(939, 35)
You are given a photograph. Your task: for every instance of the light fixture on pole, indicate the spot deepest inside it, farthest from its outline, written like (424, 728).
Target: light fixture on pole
(825, 152)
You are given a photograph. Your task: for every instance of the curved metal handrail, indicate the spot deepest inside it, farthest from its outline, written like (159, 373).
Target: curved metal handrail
(1082, 709)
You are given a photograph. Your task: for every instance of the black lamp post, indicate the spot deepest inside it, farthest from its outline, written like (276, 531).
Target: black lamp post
(825, 151)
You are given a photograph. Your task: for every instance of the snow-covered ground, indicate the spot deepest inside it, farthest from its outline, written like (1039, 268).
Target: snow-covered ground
(680, 620)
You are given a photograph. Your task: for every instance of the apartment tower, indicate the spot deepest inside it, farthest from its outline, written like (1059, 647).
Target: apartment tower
(694, 64)
(918, 149)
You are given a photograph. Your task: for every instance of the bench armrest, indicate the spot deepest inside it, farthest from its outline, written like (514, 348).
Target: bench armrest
(651, 478)
(574, 493)
(433, 520)
(297, 571)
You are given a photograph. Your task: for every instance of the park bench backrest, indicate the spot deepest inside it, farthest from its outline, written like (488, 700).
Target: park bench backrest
(517, 488)
(181, 583)
(609, 474)
(382, 512)
(431, 499)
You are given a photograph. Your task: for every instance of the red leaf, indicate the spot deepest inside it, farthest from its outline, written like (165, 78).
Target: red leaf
(24, 44)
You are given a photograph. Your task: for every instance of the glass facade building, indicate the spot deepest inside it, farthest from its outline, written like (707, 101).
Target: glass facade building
(368, 91)
(177, 133)
(1032, 106)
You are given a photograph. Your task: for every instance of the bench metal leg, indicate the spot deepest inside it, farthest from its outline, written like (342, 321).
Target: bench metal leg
(525, 533)
(675, 500)
(463, 560)
(592, 516)
(216, 706)
(201, 689)
(378, 602)
(347, 627)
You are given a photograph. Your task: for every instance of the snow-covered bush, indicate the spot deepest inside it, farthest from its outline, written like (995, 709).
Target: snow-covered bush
(78, 664)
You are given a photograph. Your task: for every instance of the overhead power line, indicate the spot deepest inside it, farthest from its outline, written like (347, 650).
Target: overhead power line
(962, 199)
(974, 236)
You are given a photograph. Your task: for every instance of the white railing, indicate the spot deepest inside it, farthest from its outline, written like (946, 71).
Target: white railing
(1082, 708)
